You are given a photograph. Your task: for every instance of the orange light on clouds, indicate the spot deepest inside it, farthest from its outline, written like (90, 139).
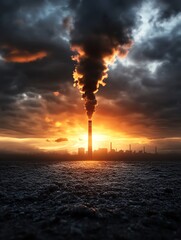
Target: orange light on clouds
(21, 56)
(77, 137)
(118, 51)
(78, 50)
(106, 129)
(48, 120)
(56, 94)
(104, 132)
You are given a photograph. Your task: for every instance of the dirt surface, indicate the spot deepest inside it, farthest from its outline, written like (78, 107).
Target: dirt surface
(90, 200)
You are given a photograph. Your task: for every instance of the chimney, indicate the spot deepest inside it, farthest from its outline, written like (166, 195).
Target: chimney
(90, 139)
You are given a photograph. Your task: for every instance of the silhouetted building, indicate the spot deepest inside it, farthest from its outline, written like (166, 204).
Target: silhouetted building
(81, 151)
(130, 148)
(101, 151)
(110, 146)
(111, 149)
(121, 151)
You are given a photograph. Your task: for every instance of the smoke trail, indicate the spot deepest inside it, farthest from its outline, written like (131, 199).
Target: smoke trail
(101, 33)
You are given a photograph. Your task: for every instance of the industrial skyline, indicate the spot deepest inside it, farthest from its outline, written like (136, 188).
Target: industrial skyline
(104, 151)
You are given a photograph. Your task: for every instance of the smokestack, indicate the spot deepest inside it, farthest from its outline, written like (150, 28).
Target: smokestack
(90, 139)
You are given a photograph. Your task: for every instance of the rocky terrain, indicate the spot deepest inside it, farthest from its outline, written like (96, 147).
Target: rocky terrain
(90, 200)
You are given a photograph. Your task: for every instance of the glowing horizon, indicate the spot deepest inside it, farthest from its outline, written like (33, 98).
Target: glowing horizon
(77, 138)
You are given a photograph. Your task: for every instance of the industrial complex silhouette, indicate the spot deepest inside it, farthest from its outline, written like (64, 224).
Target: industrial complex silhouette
(104, 152)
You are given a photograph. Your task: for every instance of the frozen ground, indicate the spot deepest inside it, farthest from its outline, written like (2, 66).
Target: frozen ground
(90, 200)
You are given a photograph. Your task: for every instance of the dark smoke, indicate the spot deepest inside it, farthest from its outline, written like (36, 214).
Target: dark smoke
(102, 31)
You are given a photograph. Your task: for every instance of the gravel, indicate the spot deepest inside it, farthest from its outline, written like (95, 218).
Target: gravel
(90, 200)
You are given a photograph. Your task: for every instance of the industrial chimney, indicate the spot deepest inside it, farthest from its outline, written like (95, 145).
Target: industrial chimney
(90, 139)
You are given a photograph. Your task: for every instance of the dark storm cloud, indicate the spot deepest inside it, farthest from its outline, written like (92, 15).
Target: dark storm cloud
(148, 90)
(73, 4)
(24, 115)
(31, 27)
(28, 29)
(169, 8)
(139, 98)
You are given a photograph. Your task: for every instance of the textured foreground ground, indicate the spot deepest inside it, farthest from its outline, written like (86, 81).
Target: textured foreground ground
(90, 200)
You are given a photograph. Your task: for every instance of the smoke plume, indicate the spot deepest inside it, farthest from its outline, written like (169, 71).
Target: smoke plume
(101, 33)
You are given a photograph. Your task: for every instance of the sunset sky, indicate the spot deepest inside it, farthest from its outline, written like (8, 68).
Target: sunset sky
(41, 43)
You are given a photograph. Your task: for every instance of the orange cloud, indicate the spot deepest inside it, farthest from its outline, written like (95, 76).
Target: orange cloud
(21, 56)
(61, 140)
(56, 94)
(48, 120)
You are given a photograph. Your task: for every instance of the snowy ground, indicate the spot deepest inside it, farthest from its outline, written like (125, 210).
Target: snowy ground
(90, 200)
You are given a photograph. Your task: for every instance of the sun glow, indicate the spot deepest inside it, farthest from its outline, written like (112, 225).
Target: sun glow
(75, 131)
(98, 140)
(58, 124)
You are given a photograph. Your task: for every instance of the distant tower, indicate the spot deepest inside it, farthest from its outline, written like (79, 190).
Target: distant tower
(130, 147)
(90, 139)
(110, 146)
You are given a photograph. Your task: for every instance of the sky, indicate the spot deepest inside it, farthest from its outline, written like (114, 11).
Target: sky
(57, 55)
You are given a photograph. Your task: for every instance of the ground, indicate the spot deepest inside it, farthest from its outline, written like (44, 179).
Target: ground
(90, 200)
